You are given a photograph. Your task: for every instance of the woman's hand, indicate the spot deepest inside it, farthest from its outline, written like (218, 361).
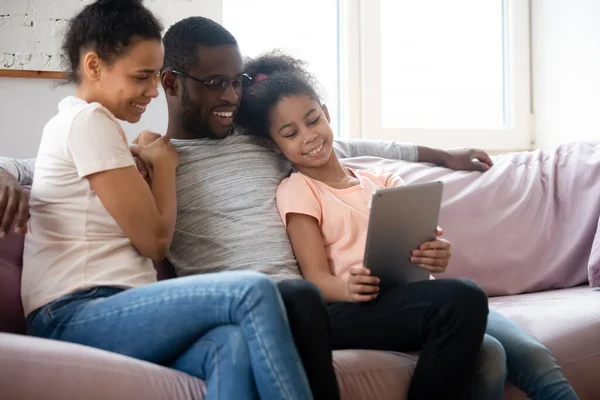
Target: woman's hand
(362, 287)
(433, 256)
(160, 151)
(144, 139)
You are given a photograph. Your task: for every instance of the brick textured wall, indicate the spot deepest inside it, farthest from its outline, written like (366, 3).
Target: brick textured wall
(31, 31)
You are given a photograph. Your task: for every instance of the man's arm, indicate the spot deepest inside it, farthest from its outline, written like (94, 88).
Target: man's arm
(457, 159)
(376, 148)
(14, 201)
(21, 169)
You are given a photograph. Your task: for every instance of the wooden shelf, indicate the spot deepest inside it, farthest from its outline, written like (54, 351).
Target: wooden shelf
(18, 73)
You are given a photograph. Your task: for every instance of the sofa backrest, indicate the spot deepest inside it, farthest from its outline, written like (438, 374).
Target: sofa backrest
(520, 227)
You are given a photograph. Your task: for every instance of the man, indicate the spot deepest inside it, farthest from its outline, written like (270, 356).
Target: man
(227, 216)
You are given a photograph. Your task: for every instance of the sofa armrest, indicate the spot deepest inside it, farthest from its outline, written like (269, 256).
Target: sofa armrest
(34, 368)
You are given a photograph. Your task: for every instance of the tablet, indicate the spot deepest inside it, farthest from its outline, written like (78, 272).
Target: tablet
(402, 219)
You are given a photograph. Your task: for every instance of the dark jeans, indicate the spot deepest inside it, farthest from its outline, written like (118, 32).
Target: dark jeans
(311, 329)
(445, 319)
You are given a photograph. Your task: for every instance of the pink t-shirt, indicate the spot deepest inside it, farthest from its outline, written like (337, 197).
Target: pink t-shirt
(343, 214)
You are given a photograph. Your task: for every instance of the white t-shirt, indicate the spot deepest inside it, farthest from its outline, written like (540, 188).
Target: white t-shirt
(73, 242)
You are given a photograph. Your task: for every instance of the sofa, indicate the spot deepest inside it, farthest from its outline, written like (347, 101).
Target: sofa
(562, 312)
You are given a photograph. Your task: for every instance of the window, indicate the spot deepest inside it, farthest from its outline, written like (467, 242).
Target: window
(307, 29)
(446, 73)
(436, 72)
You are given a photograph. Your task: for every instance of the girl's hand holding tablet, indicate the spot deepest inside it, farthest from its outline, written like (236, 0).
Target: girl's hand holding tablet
(433, 256)
(362, 287)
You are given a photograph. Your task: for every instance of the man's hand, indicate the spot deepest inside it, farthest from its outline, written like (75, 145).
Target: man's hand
(144, 139)
(467, 160)
(362, 286)
(14, 205)
(433, 256)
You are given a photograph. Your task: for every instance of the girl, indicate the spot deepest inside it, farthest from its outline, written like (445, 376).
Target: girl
(325, 209)
(96, 226)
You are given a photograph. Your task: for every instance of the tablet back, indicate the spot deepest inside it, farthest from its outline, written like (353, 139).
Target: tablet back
(401, 220)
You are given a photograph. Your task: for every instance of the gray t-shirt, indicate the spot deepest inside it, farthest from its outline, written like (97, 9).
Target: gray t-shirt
(227, 215)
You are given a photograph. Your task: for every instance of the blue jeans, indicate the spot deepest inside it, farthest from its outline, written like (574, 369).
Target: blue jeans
(509, 352)
(229, 329)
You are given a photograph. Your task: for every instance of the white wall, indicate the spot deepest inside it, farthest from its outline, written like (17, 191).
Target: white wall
(566, 70)
(27, 104)
(565, 65)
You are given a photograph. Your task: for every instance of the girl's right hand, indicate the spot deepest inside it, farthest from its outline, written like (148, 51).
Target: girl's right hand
(160, 151)
(362, 287)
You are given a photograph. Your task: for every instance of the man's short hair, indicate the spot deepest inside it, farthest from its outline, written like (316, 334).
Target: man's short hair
(184, 38)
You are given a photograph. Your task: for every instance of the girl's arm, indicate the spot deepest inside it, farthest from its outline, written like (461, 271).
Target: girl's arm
(307, 242)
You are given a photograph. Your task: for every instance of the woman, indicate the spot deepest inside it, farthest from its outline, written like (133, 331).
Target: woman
(96, 226)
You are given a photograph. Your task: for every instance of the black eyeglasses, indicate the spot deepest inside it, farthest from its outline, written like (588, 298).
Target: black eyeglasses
(220, 83)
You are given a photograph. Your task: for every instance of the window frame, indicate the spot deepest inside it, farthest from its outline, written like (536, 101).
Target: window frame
(363, 19)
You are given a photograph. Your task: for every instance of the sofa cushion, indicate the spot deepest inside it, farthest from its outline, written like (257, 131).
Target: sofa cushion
(35, 368)
(11, 262)
(567, 321)
(370, 374)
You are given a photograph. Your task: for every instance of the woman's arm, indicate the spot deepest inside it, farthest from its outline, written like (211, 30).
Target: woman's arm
(96, 145)
(146, 214)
